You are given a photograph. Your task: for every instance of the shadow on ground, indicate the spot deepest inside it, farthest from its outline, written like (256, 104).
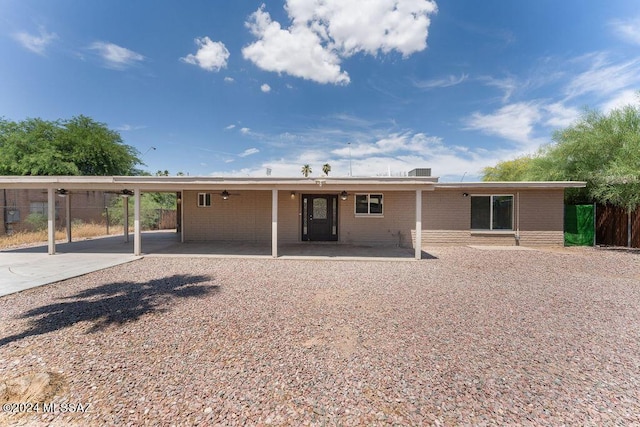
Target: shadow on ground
(112, 303)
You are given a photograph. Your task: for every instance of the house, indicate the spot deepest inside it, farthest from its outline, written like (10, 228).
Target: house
(413, 211)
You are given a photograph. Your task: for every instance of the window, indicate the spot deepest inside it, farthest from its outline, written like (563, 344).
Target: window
(368, 204)
(492, 212)
(42, 208)
(204, 200)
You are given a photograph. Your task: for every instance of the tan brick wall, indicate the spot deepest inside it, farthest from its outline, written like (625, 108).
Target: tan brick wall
(289, 211)
(245, 216)
(393, 228)
(447, 216)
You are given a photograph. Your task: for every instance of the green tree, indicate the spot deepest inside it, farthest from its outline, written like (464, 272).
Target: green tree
(517, 169)
(326, 168)
(601, 149)
(306, 170)
(79, 146)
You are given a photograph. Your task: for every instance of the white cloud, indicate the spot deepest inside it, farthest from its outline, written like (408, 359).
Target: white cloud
(36, 44)
(513, 122)
(265, 88)
(127, 127)
(560, 115)
(448, 81)
(507, 85)
(323, 32)
(297, 52)
(229, 127)
(211, 56)
(627, 29)
(245, 131)
(248, 152)
(622, 99)
(116, 57)
(229, 80)
(603, 77)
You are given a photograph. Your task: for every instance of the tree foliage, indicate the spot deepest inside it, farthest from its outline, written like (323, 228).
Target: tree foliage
(601, 149)
(79, 146)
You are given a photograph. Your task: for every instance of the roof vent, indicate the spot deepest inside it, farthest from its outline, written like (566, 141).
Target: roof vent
(420, 172)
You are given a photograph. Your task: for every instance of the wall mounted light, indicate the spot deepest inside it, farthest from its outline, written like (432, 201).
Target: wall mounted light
(293, 195)
(344, 195)
(225, 195)
(62, 192)
(126, 193)
(465, 194)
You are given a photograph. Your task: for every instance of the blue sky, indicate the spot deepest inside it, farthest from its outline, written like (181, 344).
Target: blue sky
(223, 87)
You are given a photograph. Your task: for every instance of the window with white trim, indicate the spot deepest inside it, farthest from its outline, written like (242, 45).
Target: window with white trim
(204, 200)
(369, 204)
(492, 212)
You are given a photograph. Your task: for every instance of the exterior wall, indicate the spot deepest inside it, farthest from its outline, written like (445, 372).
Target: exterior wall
(245, 216)
(394, 227)
(447, 216)
(87, 206)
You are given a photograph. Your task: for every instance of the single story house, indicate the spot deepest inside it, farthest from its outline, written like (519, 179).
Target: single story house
(410, 211)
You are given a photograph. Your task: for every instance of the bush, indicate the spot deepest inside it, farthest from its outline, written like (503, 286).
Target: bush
(36, 221)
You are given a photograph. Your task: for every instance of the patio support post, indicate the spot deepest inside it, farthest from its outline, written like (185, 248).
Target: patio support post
(418, 245)
(274, 223)
(125, 206)
(68, 209)
(137, 243)
(51, 220)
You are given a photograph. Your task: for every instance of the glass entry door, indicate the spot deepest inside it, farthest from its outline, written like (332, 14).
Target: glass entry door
(319, 217)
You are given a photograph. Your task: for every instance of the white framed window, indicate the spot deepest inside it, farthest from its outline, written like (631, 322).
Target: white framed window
(368, 204)
(204, 200)
(492, 212)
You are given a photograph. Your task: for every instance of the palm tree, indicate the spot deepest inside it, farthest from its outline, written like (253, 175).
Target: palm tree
(326, 168)
(306, 170)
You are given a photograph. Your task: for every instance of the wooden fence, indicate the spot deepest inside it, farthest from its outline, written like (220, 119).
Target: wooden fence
(611, 226)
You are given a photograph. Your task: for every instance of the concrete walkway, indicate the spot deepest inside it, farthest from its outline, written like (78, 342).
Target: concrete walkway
(31, 267)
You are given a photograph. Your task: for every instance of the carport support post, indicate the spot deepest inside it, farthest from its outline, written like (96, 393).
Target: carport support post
(137, 243)
(125, 206)
(51, 220)
(68, 209)
(274, 223)
(418, 244)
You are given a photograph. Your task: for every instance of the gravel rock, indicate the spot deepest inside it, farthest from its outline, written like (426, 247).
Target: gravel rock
(472, 337)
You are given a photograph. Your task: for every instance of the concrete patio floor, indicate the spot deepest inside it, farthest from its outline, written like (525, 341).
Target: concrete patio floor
(30, 267)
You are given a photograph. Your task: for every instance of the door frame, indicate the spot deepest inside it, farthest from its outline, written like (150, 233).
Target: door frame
(333, 207)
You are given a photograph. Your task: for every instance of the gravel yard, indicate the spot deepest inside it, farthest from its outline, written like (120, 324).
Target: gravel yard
(475, 337)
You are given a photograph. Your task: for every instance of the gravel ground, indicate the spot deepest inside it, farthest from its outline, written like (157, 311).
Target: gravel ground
(472, 337)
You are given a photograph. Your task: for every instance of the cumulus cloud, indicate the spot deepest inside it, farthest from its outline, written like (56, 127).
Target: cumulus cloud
(248, 152)
(324, 32)
(211, 56)
(265, 88)
(115, 56)
(36, 44)
(245, 131)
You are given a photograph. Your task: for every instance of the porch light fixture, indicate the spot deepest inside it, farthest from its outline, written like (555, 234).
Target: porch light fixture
(126, 193)
(465, 194)
(293, 195)
(225, 195)
(62, 192)
(343, 195)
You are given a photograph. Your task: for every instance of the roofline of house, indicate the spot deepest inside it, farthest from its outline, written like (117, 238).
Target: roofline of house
(178, 183)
